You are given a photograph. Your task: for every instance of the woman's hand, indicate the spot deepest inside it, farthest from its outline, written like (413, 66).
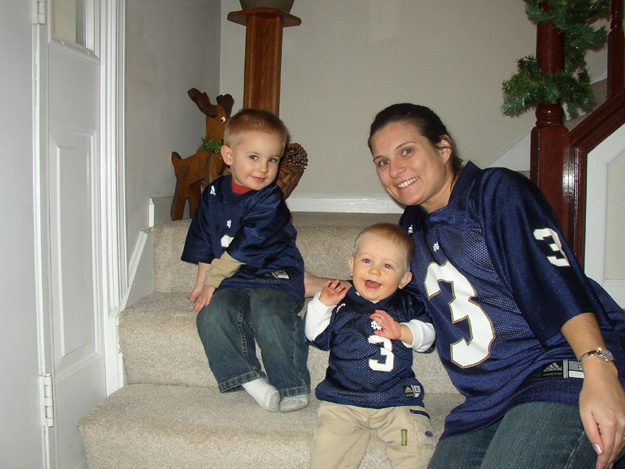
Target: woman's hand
(602, 409)
(332, 293)
(602, 399)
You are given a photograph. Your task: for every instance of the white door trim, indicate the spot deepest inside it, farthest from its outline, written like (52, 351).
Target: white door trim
(113, 209)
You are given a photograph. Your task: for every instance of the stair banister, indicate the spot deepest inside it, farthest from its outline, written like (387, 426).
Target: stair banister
(559, 158)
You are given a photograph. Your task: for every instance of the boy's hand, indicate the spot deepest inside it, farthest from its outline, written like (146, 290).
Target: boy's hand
(332, 293)
(391, 329)
(203, 299)
(195, 294)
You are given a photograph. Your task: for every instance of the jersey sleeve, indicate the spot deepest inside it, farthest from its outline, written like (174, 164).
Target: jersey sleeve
(317, 322)
(411, 218)
(531, 255)
(266, 230)
(423, 335)
(198, 245)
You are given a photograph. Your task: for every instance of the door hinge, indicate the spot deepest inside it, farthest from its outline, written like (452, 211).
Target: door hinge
(39, 11)
(47, 400)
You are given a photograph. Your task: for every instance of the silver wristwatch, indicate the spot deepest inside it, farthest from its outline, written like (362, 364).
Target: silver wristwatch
(602, 353)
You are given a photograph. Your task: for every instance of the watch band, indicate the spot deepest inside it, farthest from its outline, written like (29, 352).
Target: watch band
(602, 353)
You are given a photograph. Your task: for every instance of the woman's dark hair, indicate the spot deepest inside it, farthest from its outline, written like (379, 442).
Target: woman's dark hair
(424, 120)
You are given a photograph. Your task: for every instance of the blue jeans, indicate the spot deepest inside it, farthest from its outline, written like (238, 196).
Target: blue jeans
(235, 320)
(531, 435)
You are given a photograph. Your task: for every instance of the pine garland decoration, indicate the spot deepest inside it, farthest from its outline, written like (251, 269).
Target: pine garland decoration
(529, 87)
(210, 145)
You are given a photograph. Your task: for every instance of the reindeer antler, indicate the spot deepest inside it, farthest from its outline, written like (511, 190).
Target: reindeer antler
(226, 101)
(203, 102)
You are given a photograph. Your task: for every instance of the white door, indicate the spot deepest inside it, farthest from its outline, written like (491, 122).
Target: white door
(72, 172)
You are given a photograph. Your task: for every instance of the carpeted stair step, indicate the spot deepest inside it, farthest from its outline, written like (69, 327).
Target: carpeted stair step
(160, 345)
(324, 239)
(148, 426)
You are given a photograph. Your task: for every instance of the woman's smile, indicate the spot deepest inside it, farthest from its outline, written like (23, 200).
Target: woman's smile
(407, 183)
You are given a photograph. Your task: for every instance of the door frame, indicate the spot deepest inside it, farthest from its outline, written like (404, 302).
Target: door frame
(111, 223)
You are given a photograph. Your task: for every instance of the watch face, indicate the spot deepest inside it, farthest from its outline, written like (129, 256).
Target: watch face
(605, 354)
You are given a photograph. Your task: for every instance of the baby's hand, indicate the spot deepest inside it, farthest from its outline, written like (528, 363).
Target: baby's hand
(332, 293)
(204, 298)
(391, 329)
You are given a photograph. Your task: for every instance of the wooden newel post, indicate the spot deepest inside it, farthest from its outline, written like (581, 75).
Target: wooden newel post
(550, 167)
(263, 55)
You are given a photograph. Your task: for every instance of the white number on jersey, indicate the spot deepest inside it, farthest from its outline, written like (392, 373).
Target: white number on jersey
(386, 350)
(556, 246)
(477, 349)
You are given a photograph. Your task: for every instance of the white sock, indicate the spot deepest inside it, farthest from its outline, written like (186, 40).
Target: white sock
(264, 393)
(290, 404)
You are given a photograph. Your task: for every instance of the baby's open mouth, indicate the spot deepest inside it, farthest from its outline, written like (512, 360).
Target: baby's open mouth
(371, 284)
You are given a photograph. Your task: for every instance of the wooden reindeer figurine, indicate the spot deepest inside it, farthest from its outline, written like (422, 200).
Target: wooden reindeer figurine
(198, 170)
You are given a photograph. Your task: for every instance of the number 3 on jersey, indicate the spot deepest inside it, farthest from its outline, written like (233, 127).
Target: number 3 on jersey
(386, 350)
(463, 353)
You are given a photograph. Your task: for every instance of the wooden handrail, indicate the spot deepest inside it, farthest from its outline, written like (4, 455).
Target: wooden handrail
(559, 158)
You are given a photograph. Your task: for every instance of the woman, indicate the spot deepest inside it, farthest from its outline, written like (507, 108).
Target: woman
(512, 309)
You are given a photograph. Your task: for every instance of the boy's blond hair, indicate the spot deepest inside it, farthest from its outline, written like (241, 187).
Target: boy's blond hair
(394, 233)
(254, 120)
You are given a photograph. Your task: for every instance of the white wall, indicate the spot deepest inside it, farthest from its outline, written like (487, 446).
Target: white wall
(350, 58)
(20, 425)
(171, 46)
(605, 222)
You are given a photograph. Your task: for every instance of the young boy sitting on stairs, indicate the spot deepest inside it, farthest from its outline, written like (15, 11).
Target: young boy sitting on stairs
(250, 282)
(371, 332)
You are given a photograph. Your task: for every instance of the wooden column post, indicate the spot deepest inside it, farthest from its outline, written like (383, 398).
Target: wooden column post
(263, 55)
(550, 166)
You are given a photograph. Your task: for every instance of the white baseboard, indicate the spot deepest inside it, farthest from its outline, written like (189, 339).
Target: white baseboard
(354, 203)
(343, 204)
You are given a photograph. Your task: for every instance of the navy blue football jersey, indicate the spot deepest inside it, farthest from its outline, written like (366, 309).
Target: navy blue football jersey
(499, 282)
(364, 369)
(254, 228)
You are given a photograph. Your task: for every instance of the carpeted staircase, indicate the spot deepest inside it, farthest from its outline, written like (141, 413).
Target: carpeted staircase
(171, 414)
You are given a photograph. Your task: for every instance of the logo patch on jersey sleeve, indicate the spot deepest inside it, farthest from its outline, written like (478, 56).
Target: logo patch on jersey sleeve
(562, 369)
(412, 391)
(226, 240)
(279, 274)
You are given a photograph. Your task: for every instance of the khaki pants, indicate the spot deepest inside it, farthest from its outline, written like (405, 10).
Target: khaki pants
(342, 434)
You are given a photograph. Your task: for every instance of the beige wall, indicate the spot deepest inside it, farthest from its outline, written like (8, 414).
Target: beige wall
(171, 46)
(350, 58)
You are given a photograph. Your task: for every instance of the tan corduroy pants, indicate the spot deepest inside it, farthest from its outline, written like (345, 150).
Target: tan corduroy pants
(342, 434)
